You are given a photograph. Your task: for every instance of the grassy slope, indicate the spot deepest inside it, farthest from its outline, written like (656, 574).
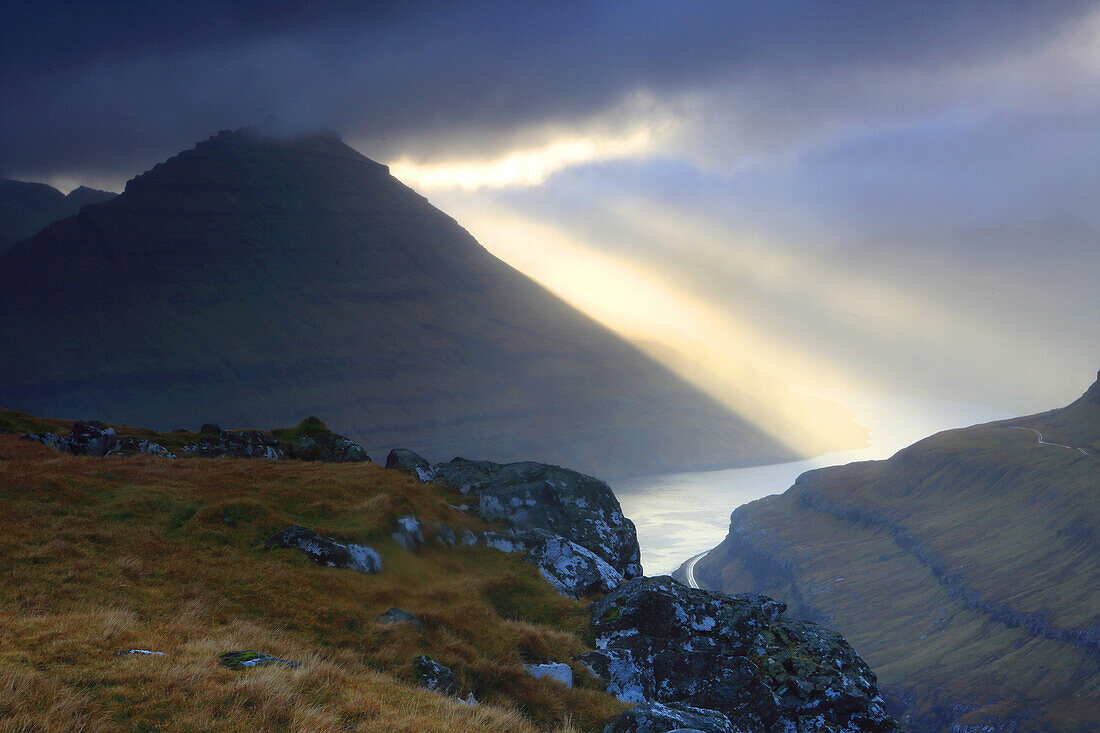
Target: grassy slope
(99, 555)
(865, 547)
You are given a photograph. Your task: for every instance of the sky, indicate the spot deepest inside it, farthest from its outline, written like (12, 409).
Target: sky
(842, 197)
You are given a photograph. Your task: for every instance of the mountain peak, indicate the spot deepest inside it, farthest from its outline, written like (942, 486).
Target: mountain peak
(251, 156)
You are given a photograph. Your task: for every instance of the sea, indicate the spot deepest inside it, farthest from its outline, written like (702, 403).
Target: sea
(679, 515)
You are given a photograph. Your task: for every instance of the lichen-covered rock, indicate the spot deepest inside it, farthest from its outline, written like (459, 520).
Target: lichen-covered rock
(247, 659)
(659, 641)
(50, 440)
(572, 569)
(409, 533)
(400, 616)
(86, 438)
(330, 448)
(140, 447)
(327, 551)
(434, 676)
(403, 459)
(242, 444)
(553, 670)
(653, 717)
(139, 652)
(530, 496)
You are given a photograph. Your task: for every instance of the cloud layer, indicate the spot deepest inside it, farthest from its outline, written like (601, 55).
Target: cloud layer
(892, 194)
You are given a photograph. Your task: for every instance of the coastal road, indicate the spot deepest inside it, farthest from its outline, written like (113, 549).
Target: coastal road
(689, 569)
(1043, 442)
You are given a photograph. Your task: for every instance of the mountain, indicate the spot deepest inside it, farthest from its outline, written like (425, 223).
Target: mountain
(965, 569)
(263, 279)
(25, 208)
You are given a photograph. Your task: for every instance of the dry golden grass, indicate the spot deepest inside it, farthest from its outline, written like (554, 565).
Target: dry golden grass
(101, 555)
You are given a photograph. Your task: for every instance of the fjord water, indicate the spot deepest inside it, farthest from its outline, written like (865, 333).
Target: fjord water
(679, 515)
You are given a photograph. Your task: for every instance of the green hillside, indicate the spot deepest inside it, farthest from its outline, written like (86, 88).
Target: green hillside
(965, 569)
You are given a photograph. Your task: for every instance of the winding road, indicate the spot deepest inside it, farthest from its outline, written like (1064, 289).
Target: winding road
(689, 569)
(1043, 442)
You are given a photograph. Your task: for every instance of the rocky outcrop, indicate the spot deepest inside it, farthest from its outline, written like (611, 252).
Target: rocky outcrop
(568, 524)
(140, 447)
(328, 551)
(330, 448)
(246, 659)
(403, 459)
(241, 444)
(573, 570)
(311, 440)
(530, 496)
(434, 676)
(737, 655)
(90, 438)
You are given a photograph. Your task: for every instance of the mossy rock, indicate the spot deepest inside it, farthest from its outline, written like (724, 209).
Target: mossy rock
(246, 659)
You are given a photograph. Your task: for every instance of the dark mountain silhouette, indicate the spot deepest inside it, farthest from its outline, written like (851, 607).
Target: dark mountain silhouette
(966, 569)
(254, 280)
(25, 208)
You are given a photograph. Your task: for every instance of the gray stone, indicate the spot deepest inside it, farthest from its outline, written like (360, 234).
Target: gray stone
(553, 670)
(536, 496)
(434, 676)
(400, 616)
(469, 539)
(142, 447)
(326, 446)
(403, 459)
(241, 444)
(87, 438)
(409, 533)
(573, 570)
(327, 551)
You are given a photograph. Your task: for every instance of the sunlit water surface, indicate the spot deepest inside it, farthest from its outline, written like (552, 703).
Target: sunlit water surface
(679, 515)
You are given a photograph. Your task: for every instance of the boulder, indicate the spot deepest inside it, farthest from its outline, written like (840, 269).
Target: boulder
(553, 670)
(653, 717)
(87, 438)
(327, 551)
(92, 438)
(409, 533)
(400, 616)
(573, 570)
(469, 539)
(434, 676)
(246, 659)
(403, 459)
(661, 642)
(241, 444)
(530, 496)
(330, 448)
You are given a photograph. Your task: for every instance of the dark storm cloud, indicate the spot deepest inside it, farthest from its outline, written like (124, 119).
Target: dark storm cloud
(113, 87)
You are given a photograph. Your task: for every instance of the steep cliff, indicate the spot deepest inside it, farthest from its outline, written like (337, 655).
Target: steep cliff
(966, 569)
